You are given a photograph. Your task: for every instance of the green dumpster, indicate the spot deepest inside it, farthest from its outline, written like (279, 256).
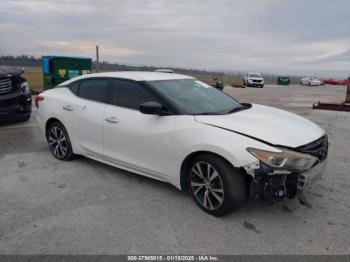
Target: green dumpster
(283, 80)
(57, 69)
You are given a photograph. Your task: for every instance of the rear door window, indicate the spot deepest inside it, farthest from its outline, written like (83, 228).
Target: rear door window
(93, 89)
(74, 87)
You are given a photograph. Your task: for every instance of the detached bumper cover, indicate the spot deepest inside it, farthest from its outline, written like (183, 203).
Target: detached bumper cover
(311, 176)
(15, 106)
(307, 179)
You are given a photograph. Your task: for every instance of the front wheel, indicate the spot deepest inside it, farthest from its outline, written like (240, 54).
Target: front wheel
(59, 142)
(215, 185)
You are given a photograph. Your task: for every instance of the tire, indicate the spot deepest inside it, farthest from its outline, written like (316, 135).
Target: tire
(220, 192)
(58, 139)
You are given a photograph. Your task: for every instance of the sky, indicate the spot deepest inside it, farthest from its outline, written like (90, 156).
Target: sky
(293, 37)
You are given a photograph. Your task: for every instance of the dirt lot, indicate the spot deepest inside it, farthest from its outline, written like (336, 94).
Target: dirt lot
(84, 207)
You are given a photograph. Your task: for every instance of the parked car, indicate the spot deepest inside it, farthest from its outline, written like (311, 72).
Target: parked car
(15, 95)
(332, 81)
(311, 81)
(177, 129)
(253, 80)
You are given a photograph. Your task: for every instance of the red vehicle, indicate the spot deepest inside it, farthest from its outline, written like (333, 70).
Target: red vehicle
(332, 81)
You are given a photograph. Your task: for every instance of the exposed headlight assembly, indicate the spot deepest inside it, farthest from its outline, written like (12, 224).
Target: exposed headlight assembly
(25, 87)
(285, 159)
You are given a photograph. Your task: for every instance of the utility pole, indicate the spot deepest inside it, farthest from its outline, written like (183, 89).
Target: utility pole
(97, 59)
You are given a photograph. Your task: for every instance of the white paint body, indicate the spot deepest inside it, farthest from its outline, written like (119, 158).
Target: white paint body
(156, 146)
(253, 79)
(309, 81)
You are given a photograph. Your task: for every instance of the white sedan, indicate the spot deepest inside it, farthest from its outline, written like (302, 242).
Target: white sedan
(310, 81)
(177, 129)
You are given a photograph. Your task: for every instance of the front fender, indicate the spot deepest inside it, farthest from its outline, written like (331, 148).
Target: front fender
(229, 145)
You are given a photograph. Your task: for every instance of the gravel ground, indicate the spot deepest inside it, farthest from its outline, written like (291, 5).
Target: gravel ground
(84, 207)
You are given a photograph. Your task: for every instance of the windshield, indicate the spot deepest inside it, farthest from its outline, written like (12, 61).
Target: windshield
(254, 75)
(195, 97)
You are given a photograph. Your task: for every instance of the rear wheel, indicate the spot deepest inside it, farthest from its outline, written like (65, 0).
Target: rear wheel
(215, 185)
(59, 142)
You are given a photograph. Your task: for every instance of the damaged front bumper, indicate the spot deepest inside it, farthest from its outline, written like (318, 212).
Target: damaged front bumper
(15, 106)
(273, 185)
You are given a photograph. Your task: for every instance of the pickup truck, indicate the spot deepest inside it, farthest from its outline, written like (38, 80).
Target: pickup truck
(15, 95)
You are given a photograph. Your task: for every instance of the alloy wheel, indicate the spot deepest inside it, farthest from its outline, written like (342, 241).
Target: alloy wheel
(58, 142)
(206, 185)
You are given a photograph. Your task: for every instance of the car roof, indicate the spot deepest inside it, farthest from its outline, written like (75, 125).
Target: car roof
(131, 75)
(165, 71)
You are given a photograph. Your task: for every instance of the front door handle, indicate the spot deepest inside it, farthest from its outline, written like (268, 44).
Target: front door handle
(68, 108)
(112, 120)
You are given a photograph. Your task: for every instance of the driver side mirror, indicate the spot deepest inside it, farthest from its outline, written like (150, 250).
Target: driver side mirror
(151, 108)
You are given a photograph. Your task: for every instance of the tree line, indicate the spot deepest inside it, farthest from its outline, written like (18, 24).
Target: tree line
(30, 60)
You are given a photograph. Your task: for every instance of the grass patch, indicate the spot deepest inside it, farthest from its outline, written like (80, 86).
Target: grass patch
(34, 76)
(231, 80)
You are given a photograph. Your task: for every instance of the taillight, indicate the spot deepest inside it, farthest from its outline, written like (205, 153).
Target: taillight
(37, 100)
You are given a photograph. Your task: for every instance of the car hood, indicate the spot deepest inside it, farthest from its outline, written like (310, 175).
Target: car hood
(9, 71)
(255, 78)
(269, 124)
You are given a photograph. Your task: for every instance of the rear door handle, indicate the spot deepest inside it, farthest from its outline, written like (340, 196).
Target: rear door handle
(68, 108)
(112, 120)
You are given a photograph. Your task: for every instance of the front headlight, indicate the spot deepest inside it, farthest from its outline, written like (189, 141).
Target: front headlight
(285, 159)
(25, 88)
